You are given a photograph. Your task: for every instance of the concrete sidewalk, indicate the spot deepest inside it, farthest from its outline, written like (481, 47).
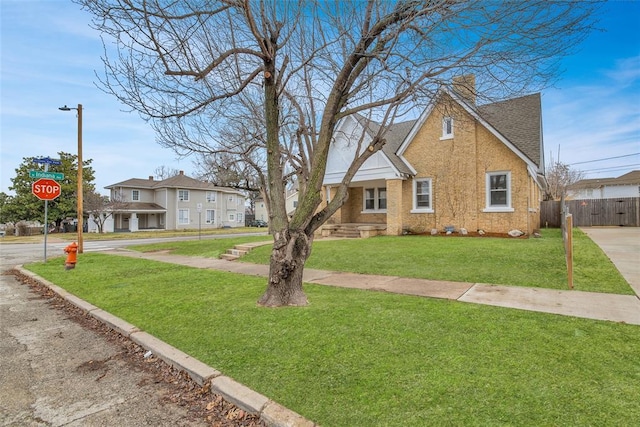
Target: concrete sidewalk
(591, 305)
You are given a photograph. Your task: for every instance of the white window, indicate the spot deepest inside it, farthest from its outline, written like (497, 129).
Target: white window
(183, 195)
(375, 199)
(232, 216)
(183, 216)
(230, 199)
(211, 196)
(211, 216)
(447, 128)
(135, 195)
(498, 189)
(239, 217)
(422, 195)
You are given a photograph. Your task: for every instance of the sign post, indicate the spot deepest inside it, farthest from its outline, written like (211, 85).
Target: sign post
(199, 208)
(46, 188)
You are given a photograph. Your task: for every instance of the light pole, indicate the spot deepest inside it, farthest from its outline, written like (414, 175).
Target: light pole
(80, 168)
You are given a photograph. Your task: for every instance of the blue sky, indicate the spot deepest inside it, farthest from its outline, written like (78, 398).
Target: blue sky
(49, 57)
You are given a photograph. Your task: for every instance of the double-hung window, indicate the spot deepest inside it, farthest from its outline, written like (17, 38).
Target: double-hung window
(422, 195)
(135, 195)
(211, 196)
(498, 189)
(447, 128)
(183, 195)
(211, 216)
(183, 216)
(375, 199)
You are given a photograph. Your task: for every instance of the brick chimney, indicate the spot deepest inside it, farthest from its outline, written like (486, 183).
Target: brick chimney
(181, 172)
(465, 86)
(150, 177)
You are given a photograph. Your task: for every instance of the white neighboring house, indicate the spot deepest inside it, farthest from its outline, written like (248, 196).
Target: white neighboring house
(291, 203)
(176, 203)
(260, 210)
(627, 185)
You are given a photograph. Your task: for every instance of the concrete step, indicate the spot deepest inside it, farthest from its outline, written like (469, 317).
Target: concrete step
(237, 252)
(229, 257)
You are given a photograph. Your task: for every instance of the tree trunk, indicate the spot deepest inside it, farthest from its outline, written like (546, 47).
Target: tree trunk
(289, 254)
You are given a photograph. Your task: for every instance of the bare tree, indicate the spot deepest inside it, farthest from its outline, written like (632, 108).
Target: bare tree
(100, 207)
(286, 73)
(560, 177)
(163, 172)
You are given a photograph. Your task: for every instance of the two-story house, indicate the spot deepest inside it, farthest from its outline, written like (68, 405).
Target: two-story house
(458, 166)
(176, 203)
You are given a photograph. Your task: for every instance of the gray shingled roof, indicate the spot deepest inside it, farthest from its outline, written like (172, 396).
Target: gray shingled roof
(519, 121)
(630, 178)
(181, 181)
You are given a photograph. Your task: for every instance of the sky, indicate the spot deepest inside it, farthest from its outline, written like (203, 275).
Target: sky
(49, 57)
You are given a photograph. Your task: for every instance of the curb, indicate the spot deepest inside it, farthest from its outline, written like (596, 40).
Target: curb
(270, 412)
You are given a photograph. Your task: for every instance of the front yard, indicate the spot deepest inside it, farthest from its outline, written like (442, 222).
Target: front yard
(502, 261)
(359, 358)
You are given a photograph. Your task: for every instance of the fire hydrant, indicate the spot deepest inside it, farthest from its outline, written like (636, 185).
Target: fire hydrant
(72, 257)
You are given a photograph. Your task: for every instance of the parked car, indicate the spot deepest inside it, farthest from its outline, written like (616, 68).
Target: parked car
(257, 223)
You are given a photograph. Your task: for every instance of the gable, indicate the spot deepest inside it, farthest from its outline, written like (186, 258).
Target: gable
(517, 123)
(350, 139)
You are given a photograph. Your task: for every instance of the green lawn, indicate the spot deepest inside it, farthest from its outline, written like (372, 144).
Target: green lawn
(517, 262)
(359, 358)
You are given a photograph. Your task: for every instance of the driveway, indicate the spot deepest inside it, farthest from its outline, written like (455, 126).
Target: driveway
(622, 246)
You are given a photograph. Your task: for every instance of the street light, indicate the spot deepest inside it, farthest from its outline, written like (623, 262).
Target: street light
(80, 168)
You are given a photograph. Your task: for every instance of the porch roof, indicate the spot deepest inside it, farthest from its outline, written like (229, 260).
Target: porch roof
(143, 207)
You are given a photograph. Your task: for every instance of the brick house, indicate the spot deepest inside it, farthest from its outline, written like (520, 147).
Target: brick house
(459, 165)
(176, 203)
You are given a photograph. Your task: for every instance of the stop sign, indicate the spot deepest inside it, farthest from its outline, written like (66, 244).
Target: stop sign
(46, 189)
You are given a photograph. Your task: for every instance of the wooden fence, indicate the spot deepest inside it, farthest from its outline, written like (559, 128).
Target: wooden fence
(595, 212)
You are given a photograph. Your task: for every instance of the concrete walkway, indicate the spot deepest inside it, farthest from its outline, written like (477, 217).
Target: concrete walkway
(591, 305)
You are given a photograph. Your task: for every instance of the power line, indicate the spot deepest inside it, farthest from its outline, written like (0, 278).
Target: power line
(600, 160)
(611, 168)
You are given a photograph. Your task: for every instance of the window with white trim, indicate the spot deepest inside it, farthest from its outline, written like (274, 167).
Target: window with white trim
(211, 196)
(422, 195)
(498, 189)
(183, 216)
(232, 216)
(239, 217)
(230, 199)
(210, 216)
(375, 199)
(447, 127)
(135, 195)
(183, 195)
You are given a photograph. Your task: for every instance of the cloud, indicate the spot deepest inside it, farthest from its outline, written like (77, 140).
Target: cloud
(596, 120)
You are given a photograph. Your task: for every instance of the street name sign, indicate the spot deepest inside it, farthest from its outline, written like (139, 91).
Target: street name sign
(46, 189)
(47, 161)
(51, 175)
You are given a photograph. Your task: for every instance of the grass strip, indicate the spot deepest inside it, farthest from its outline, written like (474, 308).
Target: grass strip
(359, 358)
